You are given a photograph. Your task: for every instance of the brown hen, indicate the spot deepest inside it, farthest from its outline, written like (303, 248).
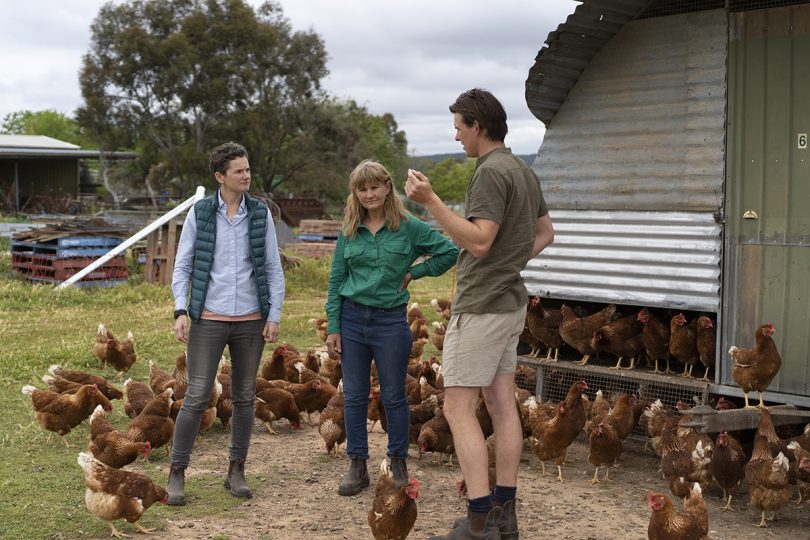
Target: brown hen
(655, 337)
(683, 342)
(393, 510)
(622, 338)
(81, 377)
(755, 368)
(577, 332)
(60, 413)
(706, 343)
(668, 524)
(544, 325)
(113, 494)
(112, 447)
(728, 466)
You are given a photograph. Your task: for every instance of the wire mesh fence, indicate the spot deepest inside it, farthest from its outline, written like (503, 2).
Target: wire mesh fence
(550, 381)
(663, 8)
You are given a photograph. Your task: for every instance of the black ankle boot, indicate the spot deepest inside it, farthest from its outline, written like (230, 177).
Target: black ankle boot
(235, 481)
(177, 485)
(399, 470)
(356, 480)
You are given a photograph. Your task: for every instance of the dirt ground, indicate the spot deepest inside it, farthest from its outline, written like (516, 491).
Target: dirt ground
(295, 496)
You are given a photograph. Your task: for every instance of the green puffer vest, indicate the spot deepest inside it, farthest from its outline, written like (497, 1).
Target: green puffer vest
(205, 212)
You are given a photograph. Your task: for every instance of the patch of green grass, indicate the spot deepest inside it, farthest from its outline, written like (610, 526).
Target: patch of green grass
(41, 485)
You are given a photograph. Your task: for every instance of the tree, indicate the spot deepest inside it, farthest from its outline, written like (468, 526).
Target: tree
(49, 122)
(336, 136)
(450, 179)
(173, 78)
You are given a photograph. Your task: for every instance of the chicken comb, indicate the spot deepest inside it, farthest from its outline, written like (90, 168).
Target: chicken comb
(414, 482)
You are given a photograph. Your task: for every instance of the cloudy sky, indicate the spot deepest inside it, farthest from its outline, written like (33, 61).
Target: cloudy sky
(408, 58)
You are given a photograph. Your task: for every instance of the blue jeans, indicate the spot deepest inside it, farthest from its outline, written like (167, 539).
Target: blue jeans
(206, 342)
(384, 335)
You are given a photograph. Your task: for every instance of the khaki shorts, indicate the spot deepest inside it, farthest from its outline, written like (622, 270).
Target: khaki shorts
(478, 346)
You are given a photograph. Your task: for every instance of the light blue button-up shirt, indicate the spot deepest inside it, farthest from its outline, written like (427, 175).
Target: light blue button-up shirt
(232, 286)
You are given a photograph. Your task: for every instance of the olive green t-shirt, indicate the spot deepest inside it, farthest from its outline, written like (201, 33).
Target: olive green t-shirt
(505, 190)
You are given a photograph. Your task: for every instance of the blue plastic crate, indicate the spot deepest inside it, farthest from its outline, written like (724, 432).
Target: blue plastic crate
(70, 246)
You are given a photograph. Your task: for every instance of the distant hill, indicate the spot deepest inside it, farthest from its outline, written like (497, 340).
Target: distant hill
(460, 156)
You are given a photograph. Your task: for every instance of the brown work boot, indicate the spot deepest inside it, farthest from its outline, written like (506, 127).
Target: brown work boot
(507, 523)
(478, 527)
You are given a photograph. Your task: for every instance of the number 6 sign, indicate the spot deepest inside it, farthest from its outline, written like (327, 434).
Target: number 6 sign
(802, 142)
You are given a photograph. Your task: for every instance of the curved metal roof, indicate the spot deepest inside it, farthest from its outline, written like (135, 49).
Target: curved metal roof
(570, 48)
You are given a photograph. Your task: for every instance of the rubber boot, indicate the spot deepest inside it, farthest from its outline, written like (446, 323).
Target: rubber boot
(356, 480)
(478, 527)
(399, 470)
(507, 523)
(235, 481)
(177, 485)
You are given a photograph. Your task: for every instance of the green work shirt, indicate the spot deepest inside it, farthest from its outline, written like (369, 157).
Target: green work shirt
(370, 268)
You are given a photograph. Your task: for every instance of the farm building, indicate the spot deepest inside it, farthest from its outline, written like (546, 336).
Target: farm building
(38, 167)
(676, 168)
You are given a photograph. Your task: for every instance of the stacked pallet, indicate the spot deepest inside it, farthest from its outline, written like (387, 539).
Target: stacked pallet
(317, 237)
(54, 253)
(319, 230)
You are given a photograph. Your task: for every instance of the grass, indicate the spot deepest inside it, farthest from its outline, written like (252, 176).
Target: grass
(41, 485)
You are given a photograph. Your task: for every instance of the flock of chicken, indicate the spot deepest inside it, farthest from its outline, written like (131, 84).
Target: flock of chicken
(291, 383)
(690, 461)
(642, 333)
(627, 336)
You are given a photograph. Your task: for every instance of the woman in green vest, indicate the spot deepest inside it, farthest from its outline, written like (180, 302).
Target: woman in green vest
(228, 280)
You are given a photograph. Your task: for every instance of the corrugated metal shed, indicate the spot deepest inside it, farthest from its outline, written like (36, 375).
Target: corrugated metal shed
(644, 127)
(570, 48)
(657, 259)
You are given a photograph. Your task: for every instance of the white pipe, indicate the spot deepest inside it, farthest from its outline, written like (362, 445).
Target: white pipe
(179, 209)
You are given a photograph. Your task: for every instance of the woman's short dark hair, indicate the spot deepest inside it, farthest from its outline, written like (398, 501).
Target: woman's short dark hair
(481, 106)
(222, 155)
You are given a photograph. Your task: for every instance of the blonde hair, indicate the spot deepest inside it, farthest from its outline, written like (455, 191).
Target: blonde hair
(366, 173)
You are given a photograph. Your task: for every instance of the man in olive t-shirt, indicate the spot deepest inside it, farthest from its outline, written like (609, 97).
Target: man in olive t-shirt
(506, 224)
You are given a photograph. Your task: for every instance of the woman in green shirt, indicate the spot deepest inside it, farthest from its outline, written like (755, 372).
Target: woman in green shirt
(366, 304)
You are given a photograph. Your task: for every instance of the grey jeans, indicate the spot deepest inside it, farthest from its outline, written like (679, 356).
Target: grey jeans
(206, 342)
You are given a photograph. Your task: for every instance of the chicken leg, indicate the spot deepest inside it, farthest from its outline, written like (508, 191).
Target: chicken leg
(118, 534)
(596, 477)
(728, 504)
(142, 528)
(584, 361)
(618, 364)
(706, 375)
(763, 523)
